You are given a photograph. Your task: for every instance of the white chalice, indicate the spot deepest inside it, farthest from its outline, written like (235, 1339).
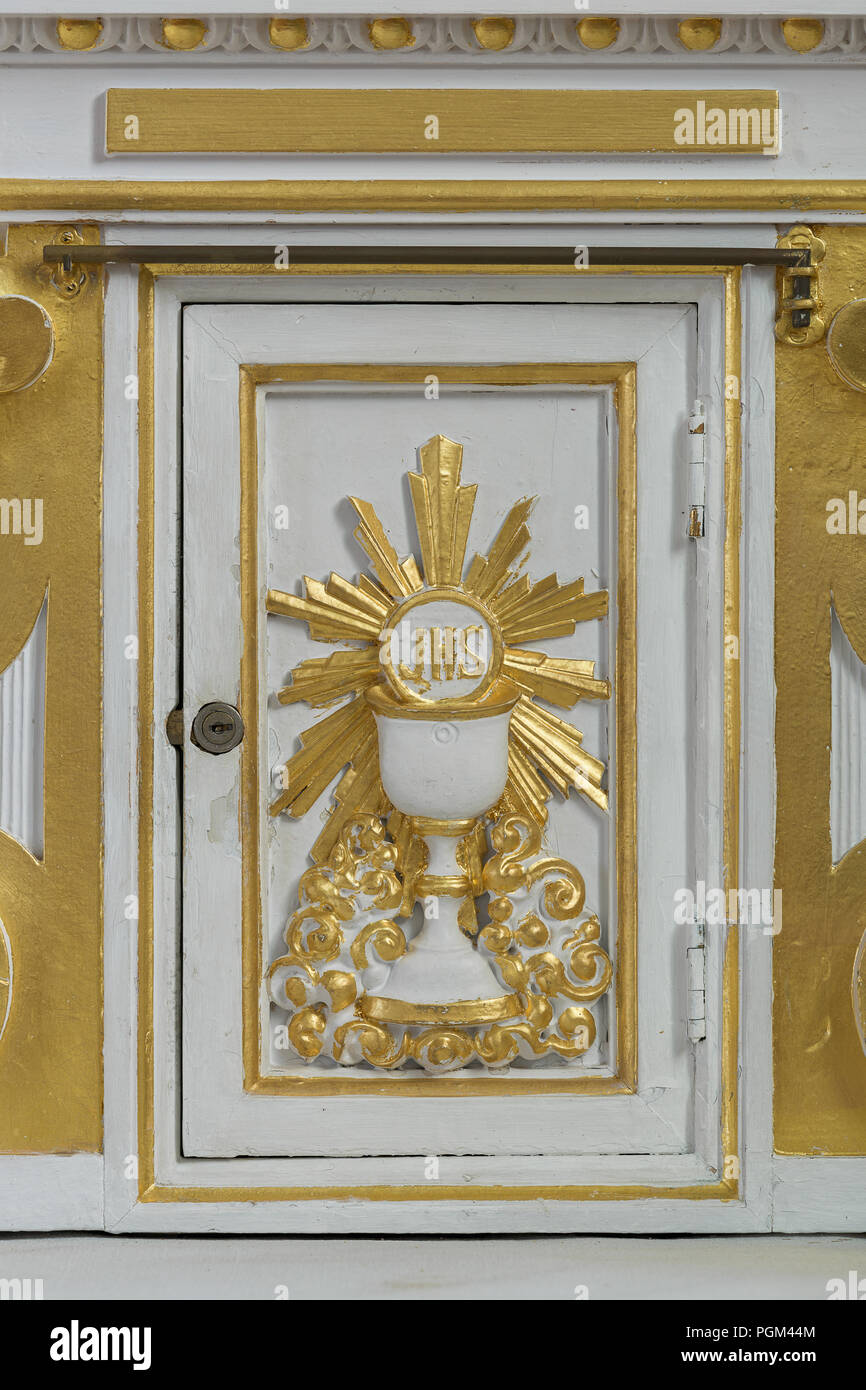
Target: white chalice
(442, 715)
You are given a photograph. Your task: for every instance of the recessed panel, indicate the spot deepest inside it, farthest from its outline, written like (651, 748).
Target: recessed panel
(472, 690)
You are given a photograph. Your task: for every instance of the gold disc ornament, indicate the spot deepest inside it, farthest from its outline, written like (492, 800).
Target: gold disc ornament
(26, 342)
(846, 343)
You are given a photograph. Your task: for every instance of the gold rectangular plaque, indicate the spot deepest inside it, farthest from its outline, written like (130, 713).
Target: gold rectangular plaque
(147, 120)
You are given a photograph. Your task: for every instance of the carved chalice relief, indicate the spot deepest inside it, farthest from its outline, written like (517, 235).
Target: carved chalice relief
(440, 743)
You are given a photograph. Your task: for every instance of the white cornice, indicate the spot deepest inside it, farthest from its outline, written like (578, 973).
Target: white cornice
(451, 38)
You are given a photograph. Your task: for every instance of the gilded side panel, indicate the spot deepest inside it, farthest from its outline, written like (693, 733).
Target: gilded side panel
(819, 1064)
(51, 432)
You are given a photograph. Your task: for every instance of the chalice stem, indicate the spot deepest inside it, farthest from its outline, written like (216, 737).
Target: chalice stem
(442, 978)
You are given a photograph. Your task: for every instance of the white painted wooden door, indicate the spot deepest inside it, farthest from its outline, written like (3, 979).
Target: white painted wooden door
(289, 410)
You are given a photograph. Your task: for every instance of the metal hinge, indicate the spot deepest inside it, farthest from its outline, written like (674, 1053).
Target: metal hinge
(697, 470)
(800, 322)
(697, 983)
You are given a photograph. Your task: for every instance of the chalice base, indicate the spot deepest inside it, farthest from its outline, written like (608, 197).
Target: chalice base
(442, 978)
(441, 981)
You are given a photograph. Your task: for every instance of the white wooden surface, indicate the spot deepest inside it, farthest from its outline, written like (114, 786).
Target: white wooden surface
(50, 1192)
(757, 690)
(120, 742)
(396, 7)
(61, 135)
(819, 1194)
(561, 1269)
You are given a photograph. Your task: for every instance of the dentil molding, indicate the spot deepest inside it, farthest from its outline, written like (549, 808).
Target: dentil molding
(489, 39)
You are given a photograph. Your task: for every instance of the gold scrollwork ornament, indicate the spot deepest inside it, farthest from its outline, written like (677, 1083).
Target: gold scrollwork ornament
(543, 942)
(551, 956)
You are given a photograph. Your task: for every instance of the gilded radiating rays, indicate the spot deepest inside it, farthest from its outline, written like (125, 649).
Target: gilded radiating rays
(546, 752)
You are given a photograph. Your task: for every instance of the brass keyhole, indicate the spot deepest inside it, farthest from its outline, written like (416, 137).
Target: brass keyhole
(217, 728)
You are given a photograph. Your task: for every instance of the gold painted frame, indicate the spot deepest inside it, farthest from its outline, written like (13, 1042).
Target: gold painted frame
(150, 1189)
(621, 378)
(784, 196)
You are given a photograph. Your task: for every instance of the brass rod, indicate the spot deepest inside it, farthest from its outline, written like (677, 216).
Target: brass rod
(580, 258)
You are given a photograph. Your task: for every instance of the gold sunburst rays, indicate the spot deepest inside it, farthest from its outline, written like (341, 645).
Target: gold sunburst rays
(559, 680)
(443, 510)
(526, 792)
(325, 680)
(399, 579)
(536, 612)
(546, 753)
(326, 747)
(555, 749)
(336, 611)
(348, 736)
(488, 573)
(528, 612)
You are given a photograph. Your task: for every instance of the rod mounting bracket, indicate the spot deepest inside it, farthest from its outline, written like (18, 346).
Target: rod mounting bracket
(68, 275)
(800, 323)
